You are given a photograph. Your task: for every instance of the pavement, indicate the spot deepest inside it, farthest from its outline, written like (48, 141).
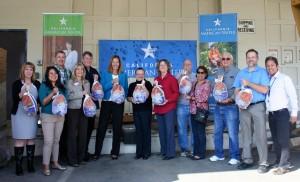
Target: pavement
(179, 169)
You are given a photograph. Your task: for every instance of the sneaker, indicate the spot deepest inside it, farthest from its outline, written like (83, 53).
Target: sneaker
(184, 153)
(215, 158)
(233, 162)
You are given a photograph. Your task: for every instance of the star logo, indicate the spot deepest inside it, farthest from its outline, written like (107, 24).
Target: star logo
(217, 22)
(63, 21)
(149, 51)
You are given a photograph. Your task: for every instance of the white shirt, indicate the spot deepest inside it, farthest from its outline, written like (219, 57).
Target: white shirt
(282, 94)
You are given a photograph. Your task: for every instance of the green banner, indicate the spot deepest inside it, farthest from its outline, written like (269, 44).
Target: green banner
(69, 24)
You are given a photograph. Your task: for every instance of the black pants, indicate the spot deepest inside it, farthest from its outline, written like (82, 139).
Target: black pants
(63, 140)
(280, 127)
(90, 128)
(142, 121)
(76, 139)
(113, 111)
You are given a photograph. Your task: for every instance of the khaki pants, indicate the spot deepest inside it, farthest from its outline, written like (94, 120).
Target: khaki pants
(52, 126)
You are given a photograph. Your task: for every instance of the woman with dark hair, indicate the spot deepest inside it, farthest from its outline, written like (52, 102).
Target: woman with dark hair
(24, 126)
(199, 98)
(52, 125)
(71, 56)
(166, 113)
(109, 109)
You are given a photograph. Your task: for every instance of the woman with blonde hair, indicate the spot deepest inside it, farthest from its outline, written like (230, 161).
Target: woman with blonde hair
(24, 126)
(78, 87)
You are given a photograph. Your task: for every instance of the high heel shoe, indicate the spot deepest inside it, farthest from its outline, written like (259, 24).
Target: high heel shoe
(95, 157)
(47, 172)
(114, 157)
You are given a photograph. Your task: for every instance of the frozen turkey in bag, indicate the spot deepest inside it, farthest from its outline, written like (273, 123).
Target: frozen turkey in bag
(139, 94)
(220, 92)
(29, 104)
(89, 107)
(244, 98)
(117, 94)
(97, 90)
(158, 95)
(185, 85)
(59, 105)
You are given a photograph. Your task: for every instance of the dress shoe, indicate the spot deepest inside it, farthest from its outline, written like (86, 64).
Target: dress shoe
(137, 157)
(47, 172)
(73, 165)
(59, 167)
(114, 157)
(196, 157)
(82, 163)
(263, 169)
(167, 158)
(95, 157)
(145, 157)
(244, 165)
(280, 171)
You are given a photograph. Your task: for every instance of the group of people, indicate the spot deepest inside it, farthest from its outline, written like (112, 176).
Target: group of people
(273, 93)
(69, 135)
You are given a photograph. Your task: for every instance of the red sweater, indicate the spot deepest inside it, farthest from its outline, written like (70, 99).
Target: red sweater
(171, 89)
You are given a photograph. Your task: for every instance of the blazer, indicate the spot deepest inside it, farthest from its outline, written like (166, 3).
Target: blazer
(75, 93)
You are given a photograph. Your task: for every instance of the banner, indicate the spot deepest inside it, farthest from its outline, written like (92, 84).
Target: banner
(62, 32)
(217, 34)
(146, 53)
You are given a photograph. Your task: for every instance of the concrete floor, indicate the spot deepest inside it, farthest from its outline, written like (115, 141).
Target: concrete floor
(127, 169)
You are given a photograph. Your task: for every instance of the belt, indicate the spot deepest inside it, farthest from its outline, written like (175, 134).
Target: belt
(258, 102)
(277, 111)
(226, 104)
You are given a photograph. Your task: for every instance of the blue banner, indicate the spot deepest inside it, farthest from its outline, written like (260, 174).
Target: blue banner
(146, 53)
(217, 34)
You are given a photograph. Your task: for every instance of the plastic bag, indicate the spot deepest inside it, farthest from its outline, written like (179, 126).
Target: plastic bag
(117, 94)
(89, 107)
(139, 94)
(185, 85)
(59, 105)
(220, 92)
(29, 104)
(97, 91)
(244, 98)
(158, 95)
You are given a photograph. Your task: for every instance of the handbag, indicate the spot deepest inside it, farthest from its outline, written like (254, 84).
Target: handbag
(201, 115)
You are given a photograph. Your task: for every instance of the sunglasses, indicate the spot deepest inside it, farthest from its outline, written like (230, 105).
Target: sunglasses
(226, 59)
(200, 72)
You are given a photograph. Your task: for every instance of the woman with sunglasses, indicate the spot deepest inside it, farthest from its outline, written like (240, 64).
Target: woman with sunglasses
(199, 98)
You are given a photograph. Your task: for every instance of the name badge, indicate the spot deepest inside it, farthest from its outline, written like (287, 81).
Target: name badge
(76, 83)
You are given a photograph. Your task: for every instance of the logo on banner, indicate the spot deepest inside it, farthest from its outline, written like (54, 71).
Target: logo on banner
(145, 54)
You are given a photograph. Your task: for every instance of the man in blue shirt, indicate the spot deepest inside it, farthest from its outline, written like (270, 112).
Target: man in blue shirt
(257, 80)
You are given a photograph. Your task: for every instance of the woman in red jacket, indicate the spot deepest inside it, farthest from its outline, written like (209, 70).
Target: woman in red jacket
(166, 113)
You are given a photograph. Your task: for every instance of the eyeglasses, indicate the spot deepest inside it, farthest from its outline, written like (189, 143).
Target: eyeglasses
(227, 59)
(201, 72)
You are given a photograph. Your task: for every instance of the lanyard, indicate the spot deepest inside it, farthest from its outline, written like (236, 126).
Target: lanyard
(270, 89)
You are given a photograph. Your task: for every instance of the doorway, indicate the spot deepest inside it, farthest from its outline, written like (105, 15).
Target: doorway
(13, 53)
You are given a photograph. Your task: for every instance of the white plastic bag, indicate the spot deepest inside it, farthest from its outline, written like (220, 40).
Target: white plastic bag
(185, 85)
(59, 105)
(97, 91)
(139, 94)
(29, 104)
(158, 95)
(89, 107)
(220, 92)
(244, 98)
(117, 94)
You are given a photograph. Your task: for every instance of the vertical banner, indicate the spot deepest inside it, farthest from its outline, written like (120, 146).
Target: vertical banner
(62, 32)
(146, 53)
(217, 34)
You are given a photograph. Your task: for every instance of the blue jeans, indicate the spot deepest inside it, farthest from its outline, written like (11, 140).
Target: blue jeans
(199, 137)
(183, 120)
(227, 116)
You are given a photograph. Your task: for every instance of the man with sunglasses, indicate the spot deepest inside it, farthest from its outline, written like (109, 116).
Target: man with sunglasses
(226, 113)
(257, 80)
